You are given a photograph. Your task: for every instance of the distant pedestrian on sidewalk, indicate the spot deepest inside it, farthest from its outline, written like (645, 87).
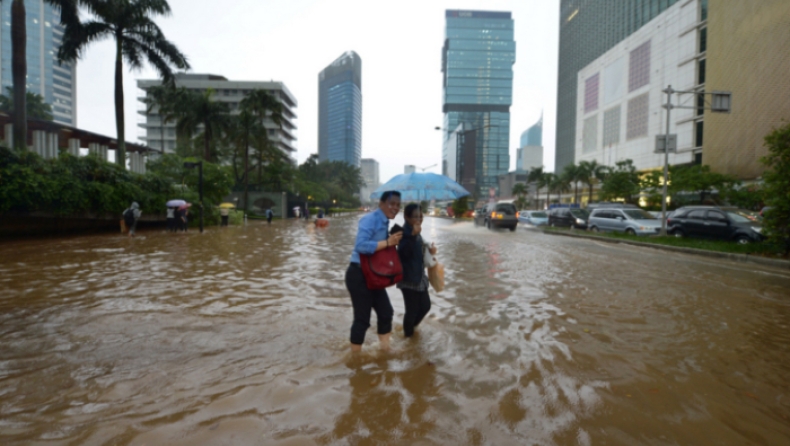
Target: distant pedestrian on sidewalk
(306, 213)
(269, 215)
(414, 286)
(130, 217)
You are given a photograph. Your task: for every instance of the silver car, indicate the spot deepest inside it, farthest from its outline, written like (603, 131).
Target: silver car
(629, 221)
(534, 218)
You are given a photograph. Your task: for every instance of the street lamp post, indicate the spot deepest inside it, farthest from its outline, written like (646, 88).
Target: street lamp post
(720, 103)
(199, 165)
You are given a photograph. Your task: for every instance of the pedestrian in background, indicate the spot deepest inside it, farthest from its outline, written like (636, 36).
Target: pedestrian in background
(372, 237)
(224, 213)
(269, 215)
(171, 219)
(130, 217)
(411, 251)
(306, 213)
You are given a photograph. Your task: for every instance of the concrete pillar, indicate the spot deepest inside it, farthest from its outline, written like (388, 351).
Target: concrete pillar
(141, 162)
(9, 135)
(74, 146)
(52, 145)
(40, 142)
(104, 150)
(94, 149)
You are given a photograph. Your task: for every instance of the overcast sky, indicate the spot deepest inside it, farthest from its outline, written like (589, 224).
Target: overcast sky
(292, 41)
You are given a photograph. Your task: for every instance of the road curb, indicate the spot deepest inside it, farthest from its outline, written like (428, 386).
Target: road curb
(743, 258)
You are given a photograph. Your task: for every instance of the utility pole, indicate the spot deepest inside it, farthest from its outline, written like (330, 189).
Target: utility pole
(668, 106)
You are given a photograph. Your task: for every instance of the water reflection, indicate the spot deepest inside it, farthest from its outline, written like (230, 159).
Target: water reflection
(239, 336)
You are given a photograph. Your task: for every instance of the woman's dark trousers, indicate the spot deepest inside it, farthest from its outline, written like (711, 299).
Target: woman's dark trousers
(418, 304)
(363, 300)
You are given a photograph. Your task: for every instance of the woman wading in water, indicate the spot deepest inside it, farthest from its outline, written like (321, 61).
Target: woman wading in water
(371, 237)
(415, 282)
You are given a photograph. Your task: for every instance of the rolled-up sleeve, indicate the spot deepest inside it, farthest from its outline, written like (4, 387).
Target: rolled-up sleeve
(366, 243)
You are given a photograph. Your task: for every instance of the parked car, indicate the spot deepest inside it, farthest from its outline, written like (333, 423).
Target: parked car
(714, 222)
(534, 218)
(610, 205)
(629, 221)
(499, 215)
(569, 217)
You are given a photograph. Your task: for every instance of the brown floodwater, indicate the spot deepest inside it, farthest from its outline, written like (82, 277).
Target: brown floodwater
(240, 336)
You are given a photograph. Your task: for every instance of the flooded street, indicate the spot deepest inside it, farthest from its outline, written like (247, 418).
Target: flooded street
(240, 336)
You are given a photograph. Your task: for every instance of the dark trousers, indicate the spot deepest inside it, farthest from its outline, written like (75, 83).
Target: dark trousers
(224, 220)
(363, 300)
(269, 220)
(418, 304)
(171, 224)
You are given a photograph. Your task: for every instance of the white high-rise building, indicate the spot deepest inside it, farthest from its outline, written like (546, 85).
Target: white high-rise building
(370, 174)
(158, 135)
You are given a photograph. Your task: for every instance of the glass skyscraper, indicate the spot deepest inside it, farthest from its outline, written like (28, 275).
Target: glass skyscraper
(56, 83)
(340, 110)
(589, 28)
(477, 66)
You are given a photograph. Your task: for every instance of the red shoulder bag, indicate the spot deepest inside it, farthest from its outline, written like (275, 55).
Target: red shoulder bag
(381, 269)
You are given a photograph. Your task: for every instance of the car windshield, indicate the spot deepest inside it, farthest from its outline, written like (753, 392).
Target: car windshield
(579, 213)
(507, 209)
(538, 215)
(738, 218)
(638, 214)
(752, 216)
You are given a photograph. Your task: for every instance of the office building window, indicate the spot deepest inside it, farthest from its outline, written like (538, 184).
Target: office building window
(700, 104)
(611, 126)
(636, 124)
(591, 93)
(639, 67)
(701, 72)
(698, 130)
(590, 134)
(703, 40)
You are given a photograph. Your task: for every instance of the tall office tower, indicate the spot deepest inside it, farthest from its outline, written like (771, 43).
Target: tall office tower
(56, 83)
(162, 135)
(530, 152)
(370, 174)
(589, 28)
(477, 66)
(340, 110)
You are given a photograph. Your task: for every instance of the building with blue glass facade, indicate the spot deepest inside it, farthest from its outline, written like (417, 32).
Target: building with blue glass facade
(340, 110)
(477, 65)
(56, 83)
(530, 151)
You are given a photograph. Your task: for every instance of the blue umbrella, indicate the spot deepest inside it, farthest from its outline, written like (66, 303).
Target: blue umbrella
(175, 203)
(422, 186)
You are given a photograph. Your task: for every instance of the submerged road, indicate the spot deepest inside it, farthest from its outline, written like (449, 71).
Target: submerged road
(240, 336)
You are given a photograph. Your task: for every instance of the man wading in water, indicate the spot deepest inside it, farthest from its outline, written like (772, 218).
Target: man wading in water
(372, 237)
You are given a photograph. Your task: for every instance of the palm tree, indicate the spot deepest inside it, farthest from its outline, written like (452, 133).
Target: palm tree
(591, 172)
(137, 40)
(532, 178)
(520, 191)
(263, 105)
(198, 110)
(36, 107)
(560, 184)
(546, 180)
(572, 174)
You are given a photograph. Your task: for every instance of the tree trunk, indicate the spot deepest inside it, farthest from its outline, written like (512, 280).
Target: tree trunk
(206, 142)
(246, 171)
(120, 153)
(576, 192)
(19, 72)
(591, 193)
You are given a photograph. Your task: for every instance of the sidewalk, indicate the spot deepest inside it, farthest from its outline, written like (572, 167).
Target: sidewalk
(743, 258)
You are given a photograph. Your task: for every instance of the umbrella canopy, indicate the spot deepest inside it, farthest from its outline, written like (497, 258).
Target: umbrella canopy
(422, 186)
(175, 203)
(185, 206)
(227, 206)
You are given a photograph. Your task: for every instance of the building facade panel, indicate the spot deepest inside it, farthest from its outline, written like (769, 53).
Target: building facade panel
(747, 45)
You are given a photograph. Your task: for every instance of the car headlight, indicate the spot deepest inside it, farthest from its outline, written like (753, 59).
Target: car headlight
(642, 228)
(579, 221)
(757, 229)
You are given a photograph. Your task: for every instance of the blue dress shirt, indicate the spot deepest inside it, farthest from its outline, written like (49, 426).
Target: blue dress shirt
(372, 229)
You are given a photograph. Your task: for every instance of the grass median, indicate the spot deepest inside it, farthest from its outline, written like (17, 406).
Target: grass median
(762, 249)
